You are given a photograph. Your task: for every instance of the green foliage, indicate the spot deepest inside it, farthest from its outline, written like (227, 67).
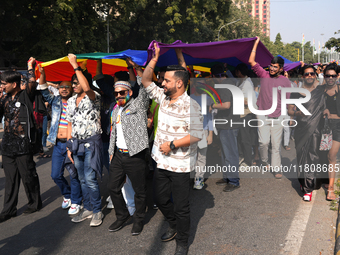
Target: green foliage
(333, 42)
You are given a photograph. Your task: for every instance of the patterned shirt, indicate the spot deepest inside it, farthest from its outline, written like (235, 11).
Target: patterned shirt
(85, 118)
(176, 121)
(63, 122)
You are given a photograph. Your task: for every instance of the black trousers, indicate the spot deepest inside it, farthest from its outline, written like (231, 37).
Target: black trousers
(177, 213)
(16, 168)
(134, 167)
(245, 139)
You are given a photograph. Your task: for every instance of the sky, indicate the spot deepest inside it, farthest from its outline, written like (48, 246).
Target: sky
(291, 18)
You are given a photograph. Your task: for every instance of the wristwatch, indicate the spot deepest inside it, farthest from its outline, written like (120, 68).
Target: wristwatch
(172, 146)
(78, 69)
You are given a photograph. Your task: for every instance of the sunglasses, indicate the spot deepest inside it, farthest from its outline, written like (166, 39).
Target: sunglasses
(307, 74)
(64, 87)
(331, 75)
(120, 93)
(75, 83)
(274, 67)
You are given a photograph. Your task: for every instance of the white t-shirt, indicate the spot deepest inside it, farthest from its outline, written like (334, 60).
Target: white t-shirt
(120, 141)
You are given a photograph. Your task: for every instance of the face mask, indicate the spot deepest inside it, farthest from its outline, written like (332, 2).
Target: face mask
(122, 101)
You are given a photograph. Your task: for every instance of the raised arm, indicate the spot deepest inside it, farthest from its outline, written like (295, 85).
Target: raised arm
(252, 56)
(81, 78)
(132, 75)
(148, 72)
(99, 68)
(180, 57)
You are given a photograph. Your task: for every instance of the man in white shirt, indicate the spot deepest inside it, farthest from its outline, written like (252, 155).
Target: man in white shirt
(180, 127)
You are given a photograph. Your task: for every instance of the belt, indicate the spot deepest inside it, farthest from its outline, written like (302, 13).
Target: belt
(123, 150)
(62, 140)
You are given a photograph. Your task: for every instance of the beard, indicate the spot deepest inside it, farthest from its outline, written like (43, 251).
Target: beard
(170, 91)
(121, 101)
(309, 82)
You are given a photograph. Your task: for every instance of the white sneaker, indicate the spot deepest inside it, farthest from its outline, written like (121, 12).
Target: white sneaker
(66, 203)
(108, 199)
(74, 209)
(199, 183)
(110, 204)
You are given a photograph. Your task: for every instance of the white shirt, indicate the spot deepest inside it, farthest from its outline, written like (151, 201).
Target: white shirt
(120, 141)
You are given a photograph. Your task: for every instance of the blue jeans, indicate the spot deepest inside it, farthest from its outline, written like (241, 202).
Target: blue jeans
(57, 174)
(230, 161)
(88, 181)
(44, 131)
(106, 156)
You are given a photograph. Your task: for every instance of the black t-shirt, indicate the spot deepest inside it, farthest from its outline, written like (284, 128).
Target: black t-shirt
(226, 117)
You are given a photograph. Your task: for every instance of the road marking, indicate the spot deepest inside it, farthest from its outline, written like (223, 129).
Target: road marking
(297, 228)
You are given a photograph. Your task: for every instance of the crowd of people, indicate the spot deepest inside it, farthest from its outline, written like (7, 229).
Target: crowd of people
(151, 119)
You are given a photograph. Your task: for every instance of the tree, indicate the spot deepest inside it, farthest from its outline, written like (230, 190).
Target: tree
(333, 42)
(48, 29)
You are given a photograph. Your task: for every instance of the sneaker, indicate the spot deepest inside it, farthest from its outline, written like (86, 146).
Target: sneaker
(110, 204)
(118, 224)
(108, 199)
(45, 149)
(74, 209)
(307, 197)
(66, 203)
(137, 228)
(221, 182)
(83, 215)
(199, 183)
(229, 187)
(97, 219)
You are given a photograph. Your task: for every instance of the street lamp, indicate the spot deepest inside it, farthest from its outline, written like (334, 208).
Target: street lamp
(224, 26)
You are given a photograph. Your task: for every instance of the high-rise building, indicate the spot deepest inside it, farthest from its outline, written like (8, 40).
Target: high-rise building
(261, 10)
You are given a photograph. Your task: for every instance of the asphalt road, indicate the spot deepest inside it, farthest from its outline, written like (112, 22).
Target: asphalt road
(264, 216)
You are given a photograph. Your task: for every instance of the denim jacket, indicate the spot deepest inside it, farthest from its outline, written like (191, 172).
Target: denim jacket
(56, 103)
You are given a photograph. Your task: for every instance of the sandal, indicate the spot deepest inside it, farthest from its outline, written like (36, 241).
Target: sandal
(256, 162)
(330, 197)
(287, 148)
(278, 176)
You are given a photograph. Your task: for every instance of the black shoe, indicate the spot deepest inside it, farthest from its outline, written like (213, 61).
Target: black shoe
(181, 249)
(4, 217)
(229, 187)
(222, 182)
(169, 235)
(137, 228)
(30, 210)
(118, 224)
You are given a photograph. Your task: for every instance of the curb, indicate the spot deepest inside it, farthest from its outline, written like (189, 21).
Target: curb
(337, 234)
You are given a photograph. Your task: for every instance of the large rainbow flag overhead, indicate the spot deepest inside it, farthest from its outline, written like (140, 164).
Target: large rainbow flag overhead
(61, 70)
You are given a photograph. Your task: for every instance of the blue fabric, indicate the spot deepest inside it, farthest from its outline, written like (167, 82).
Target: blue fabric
(289, 65)
(88, 180)
(44, 134)
(78, 148)
(74, 192)
(230, 155)
(56, 103)
(207, 118)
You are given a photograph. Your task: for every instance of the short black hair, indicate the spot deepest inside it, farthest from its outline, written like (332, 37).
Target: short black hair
(87, 75)
(278, 60)
(331, 66)
(306, 67)
(163, 69)
(11, 77)
(243, 68)
(180, 72)
(122, 76)
(217, 69)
